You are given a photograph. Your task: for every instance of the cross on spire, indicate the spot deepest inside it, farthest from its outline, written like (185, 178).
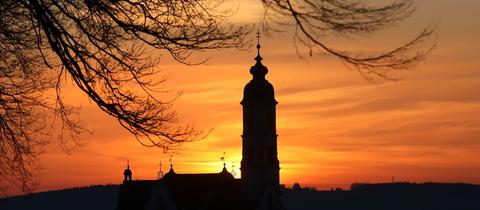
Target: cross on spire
(258, 58)
(258, 38)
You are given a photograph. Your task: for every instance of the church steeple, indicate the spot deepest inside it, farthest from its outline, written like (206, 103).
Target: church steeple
(259, 166)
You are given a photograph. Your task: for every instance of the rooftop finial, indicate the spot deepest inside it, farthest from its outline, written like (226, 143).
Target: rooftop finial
(223, 160)
(128, 163)
(258, 58)
(160, 171)
(258, 39)
(170, 172)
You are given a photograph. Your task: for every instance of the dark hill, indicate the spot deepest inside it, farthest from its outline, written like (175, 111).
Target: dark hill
(391, 196)
(101, 197)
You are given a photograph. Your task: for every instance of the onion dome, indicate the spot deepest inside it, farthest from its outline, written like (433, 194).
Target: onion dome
(258, 89)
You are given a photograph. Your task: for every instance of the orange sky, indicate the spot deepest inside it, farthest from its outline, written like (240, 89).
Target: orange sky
(334, 127)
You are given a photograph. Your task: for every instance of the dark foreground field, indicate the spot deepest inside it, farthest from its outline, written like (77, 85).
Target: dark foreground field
(397, 196)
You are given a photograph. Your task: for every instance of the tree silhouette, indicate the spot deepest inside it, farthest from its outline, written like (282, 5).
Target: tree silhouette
(316, 19)
(101, 46)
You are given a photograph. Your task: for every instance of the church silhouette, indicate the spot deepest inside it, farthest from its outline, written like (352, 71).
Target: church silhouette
(258, 189)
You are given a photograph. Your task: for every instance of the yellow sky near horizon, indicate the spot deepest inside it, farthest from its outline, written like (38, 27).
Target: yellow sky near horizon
(334, 127)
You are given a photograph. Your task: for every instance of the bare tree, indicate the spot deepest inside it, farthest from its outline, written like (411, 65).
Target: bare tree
(316, 19)
(100, 45)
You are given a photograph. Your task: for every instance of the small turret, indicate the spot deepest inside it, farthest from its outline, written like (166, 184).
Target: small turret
(127, 173)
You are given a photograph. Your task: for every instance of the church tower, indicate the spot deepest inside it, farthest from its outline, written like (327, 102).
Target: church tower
(260, 165)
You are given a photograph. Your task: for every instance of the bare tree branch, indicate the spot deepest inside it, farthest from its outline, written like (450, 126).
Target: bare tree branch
(315, 19)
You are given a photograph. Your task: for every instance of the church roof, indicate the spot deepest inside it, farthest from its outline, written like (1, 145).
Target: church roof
(212, 191)
(205, 191)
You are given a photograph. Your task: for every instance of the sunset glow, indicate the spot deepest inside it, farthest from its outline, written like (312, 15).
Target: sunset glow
(334, 128)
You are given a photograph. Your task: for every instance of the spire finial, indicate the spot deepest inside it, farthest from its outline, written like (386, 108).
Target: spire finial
(128, 163)
(258, 58)
(223, 159)
(258, 39)
(171, 161)
(258, 70)
(160, 171)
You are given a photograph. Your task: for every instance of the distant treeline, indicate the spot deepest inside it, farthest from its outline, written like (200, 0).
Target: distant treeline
(387, 196)
(408, 186)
